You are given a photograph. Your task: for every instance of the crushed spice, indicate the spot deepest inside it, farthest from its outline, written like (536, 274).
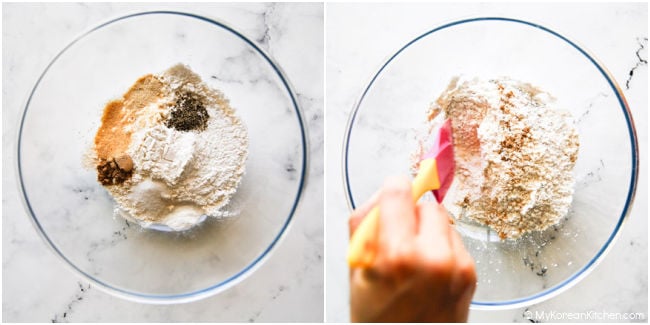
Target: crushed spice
(114, 171)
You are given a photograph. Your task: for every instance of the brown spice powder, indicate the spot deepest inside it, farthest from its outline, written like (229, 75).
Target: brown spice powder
(111, 140)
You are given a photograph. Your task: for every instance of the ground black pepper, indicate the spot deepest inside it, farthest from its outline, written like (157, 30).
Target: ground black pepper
(189, 112)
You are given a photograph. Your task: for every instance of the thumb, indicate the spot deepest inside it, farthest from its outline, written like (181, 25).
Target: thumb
(360, 212)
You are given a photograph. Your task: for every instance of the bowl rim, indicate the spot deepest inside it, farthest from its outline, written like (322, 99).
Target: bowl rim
(602, 252)
(230, 281)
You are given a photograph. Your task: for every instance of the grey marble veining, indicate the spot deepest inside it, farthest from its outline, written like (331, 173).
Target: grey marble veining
(39, 288)
(360, 41)
(642, 56)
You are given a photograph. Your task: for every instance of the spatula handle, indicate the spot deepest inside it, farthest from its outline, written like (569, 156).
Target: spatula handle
(363, 244)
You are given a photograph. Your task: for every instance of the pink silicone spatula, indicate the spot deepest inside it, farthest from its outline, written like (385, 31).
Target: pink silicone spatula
(435, 174)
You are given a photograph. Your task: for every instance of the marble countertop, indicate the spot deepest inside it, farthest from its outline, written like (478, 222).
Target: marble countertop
(37, 287)
(361, 37)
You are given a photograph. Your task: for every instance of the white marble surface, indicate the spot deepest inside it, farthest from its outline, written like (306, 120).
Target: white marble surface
(39, 288)
(360, 37)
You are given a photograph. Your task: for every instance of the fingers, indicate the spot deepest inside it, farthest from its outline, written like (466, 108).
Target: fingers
(361, 211)
(434, 230)
(443, 251)
(397, 212)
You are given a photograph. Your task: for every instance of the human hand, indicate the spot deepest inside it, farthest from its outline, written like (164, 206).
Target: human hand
(422, 272)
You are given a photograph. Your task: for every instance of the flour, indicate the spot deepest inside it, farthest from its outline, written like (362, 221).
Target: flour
(185, 168)
(162, 152)
(514, 152)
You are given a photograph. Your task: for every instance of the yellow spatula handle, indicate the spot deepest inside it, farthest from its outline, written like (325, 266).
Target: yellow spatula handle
(363, 244)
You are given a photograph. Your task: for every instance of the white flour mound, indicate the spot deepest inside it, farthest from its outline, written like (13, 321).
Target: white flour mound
(180, 177)
(514, 151)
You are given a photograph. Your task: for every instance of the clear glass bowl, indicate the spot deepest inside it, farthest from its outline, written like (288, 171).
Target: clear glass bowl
(382, 129)
(74, 213)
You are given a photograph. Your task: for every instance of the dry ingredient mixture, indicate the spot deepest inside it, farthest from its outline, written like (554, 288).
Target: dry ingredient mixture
(171, 150)
(514, 151)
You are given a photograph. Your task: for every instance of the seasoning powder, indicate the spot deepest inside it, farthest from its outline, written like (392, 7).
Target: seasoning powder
(171, 151)
(514, 152)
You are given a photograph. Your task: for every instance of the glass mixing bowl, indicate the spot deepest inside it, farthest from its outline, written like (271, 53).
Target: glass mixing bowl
(74, 213)
(383, 127)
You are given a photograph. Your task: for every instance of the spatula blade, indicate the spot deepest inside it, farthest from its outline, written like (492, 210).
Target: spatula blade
(443, 151)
